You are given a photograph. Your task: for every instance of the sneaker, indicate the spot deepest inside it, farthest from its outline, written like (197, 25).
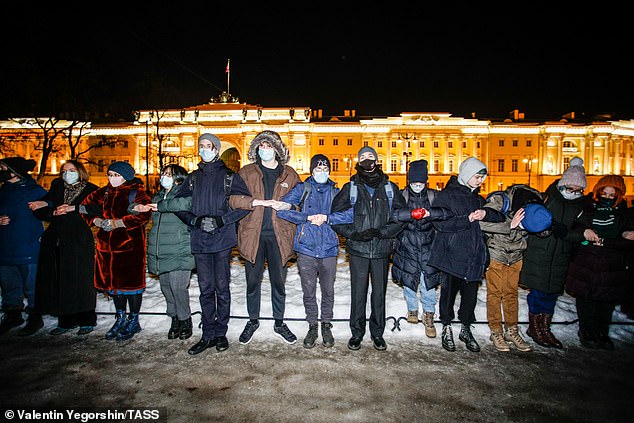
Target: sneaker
(326, 334)
(498, 340)
(412, 316)
(513, 336)
(85, 330)
(285, 333)
(249, 330)
(354, 343)
(222, 343)
(428, 322)
(467, 337)
(311, 336)
(447, 338)
(10, 319)
(379, 343)
(201, 346)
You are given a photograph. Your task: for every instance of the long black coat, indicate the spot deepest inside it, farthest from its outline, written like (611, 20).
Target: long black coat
(65, 270)
(459, 248)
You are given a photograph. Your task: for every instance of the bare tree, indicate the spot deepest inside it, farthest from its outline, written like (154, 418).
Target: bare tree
(49, 143)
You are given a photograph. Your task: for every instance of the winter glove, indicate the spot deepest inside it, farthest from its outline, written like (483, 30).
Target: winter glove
(117, 223)
(97, 221)
(418, 214)
(208, 223)
(104, 224)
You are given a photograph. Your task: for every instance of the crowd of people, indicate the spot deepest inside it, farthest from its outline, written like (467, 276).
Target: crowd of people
(437, 245)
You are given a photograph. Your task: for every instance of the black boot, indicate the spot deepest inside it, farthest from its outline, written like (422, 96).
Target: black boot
(33, 324)
(131, 328)
(10, 319)
(118, 326)
(185, 329)
(175, 328)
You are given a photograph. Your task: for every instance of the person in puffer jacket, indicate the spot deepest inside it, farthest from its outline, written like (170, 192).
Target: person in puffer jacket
(316, 245)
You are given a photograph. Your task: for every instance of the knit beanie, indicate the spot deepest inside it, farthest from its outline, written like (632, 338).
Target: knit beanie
(319, 160)
(417, 171)
(124, 169)
(537, 218)
(468, 168)
(615, 181)
(575, 175)
(19, 165)
(367, 149)
(212, 138)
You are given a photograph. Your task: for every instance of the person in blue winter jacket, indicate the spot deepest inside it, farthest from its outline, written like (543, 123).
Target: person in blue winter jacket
(20, 233)
(316, 245)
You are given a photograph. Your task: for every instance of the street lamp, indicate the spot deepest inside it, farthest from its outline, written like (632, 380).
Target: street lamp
(529, 166)
(349, 159)
(406, 156)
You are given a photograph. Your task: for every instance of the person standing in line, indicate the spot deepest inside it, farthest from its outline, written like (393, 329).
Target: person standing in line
(598, 276)
(262, 235)
(316, 245)
(409, 262)
(506, 241)
(65, 270)
(369, 242)
(202, 201)
(120, 259)
(20, 233)
(546, 260)
(169, 253)
(459, 251)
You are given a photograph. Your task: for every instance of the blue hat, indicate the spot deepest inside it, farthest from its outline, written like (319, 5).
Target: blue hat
(124, 169)
(537, 218)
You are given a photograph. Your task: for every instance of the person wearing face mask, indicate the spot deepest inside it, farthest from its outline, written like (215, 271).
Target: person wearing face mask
(65, 271)
(20, 233)
(369, 241)
(599, 274)
(263, 236)
(120, 259)
(316, 245)
(202, 202)
(459, 251)
(546, 260)
(169, 253)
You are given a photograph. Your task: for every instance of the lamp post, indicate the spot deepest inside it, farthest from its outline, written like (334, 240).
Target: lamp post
(349, 159)
(529, 166)
(406, 156)
(147, 153)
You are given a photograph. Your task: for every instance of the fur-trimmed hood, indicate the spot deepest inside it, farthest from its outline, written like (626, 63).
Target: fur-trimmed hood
(276, 142)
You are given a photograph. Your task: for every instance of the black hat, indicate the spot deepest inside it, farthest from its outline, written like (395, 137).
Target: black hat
(417, 171)
(319, 160)
(19, 165)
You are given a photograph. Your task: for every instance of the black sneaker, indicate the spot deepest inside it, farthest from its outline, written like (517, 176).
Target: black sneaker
(354, 343)
(326, 334)
(201, 346)
(467, 337)
(379, 343)
(285, 333)
(447, 338)
(222, 344)
(311, 336)
(249, 330)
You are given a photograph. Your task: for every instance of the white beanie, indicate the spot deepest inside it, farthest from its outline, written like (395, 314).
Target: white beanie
(468, 168)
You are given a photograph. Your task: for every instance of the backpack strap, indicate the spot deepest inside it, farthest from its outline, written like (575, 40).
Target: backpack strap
(228, 182)
(388, 191)
(353, 193)
(307, 189)
(431, 194)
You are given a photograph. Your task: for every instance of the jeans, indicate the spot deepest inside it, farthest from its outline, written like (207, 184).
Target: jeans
(427, 298)
(18, 282)
(311, 270)
(541, 302)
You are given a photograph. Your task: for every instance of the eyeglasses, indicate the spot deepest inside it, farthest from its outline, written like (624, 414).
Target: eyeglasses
(571, 190)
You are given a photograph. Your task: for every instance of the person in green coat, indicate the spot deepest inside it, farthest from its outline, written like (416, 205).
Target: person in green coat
(169, 254)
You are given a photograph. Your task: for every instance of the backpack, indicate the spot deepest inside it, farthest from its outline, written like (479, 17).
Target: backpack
(506, 201)
(228, 181)
(354, 193)
(431, 194)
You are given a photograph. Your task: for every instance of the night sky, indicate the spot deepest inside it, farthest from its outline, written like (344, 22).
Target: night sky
(543, 60)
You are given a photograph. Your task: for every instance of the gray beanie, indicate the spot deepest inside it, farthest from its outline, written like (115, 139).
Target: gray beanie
(573, 176)
(468, 168)
(211, 137)
(365, 150)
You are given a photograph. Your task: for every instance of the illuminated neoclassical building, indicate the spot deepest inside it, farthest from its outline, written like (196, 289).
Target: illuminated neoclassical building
(515, 150)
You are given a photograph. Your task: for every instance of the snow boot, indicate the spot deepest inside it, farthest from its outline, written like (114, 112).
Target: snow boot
(326, 334)
(33, 324)
(447, 338)
(546, 320)
(118, 326)
(131, 328)
(467, 337)
(512, 335)
(428, 322)
(10, 319)
(535, 330)
(311, 336)
(175, 328)
(497, 338)
(185, 329)
(412, 316)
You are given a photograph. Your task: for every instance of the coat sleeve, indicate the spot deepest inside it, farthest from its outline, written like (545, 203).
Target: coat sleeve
(293, 197)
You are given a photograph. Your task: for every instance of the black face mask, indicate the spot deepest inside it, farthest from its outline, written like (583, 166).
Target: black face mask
(5, 175)
(368, 165)
(608, 202)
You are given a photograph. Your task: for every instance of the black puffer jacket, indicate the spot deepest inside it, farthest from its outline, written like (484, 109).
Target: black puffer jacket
(369, 212)
(459, 247)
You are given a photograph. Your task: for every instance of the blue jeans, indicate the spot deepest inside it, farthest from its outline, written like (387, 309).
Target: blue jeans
(427, 298)
(18, 282)
(541, 302)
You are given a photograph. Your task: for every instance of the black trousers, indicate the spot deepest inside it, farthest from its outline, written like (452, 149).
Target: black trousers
(594, 316)
(82, 318)
(449, 289)
(363, 272)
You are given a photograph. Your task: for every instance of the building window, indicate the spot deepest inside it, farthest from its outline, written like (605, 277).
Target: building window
(528, 143)
(335, 141)
(500, 143)
(349, 141)
(409, 144)
(464, 144)
(436, 165)
(501, 165)
(566, 162)
(335, 165)
(435, 144)
(450, 166)
(515, 143)
(449, 144)
(514, 165)
(379, 144)
(125, 144)
(393, 144)
(393, 165)
(321, 141)
(365, 143)
(478, 144)
(421, 144)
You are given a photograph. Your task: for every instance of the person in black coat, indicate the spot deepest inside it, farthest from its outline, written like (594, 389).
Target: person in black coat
(369, 242)
(459, 251)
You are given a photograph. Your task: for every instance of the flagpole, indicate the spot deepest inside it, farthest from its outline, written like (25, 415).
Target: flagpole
(228, 74)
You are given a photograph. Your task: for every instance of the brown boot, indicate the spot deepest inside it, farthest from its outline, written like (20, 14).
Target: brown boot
(535, 330)
(548, 335)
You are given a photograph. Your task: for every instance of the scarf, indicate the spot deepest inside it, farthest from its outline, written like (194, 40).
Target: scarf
(72, 191)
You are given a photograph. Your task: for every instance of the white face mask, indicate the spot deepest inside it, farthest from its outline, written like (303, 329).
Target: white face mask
(417, 187)
(167, 181)
(321, 177)
(570, 195)
(116, 181)
(266, 155)
(207, 154)
(70, 177)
